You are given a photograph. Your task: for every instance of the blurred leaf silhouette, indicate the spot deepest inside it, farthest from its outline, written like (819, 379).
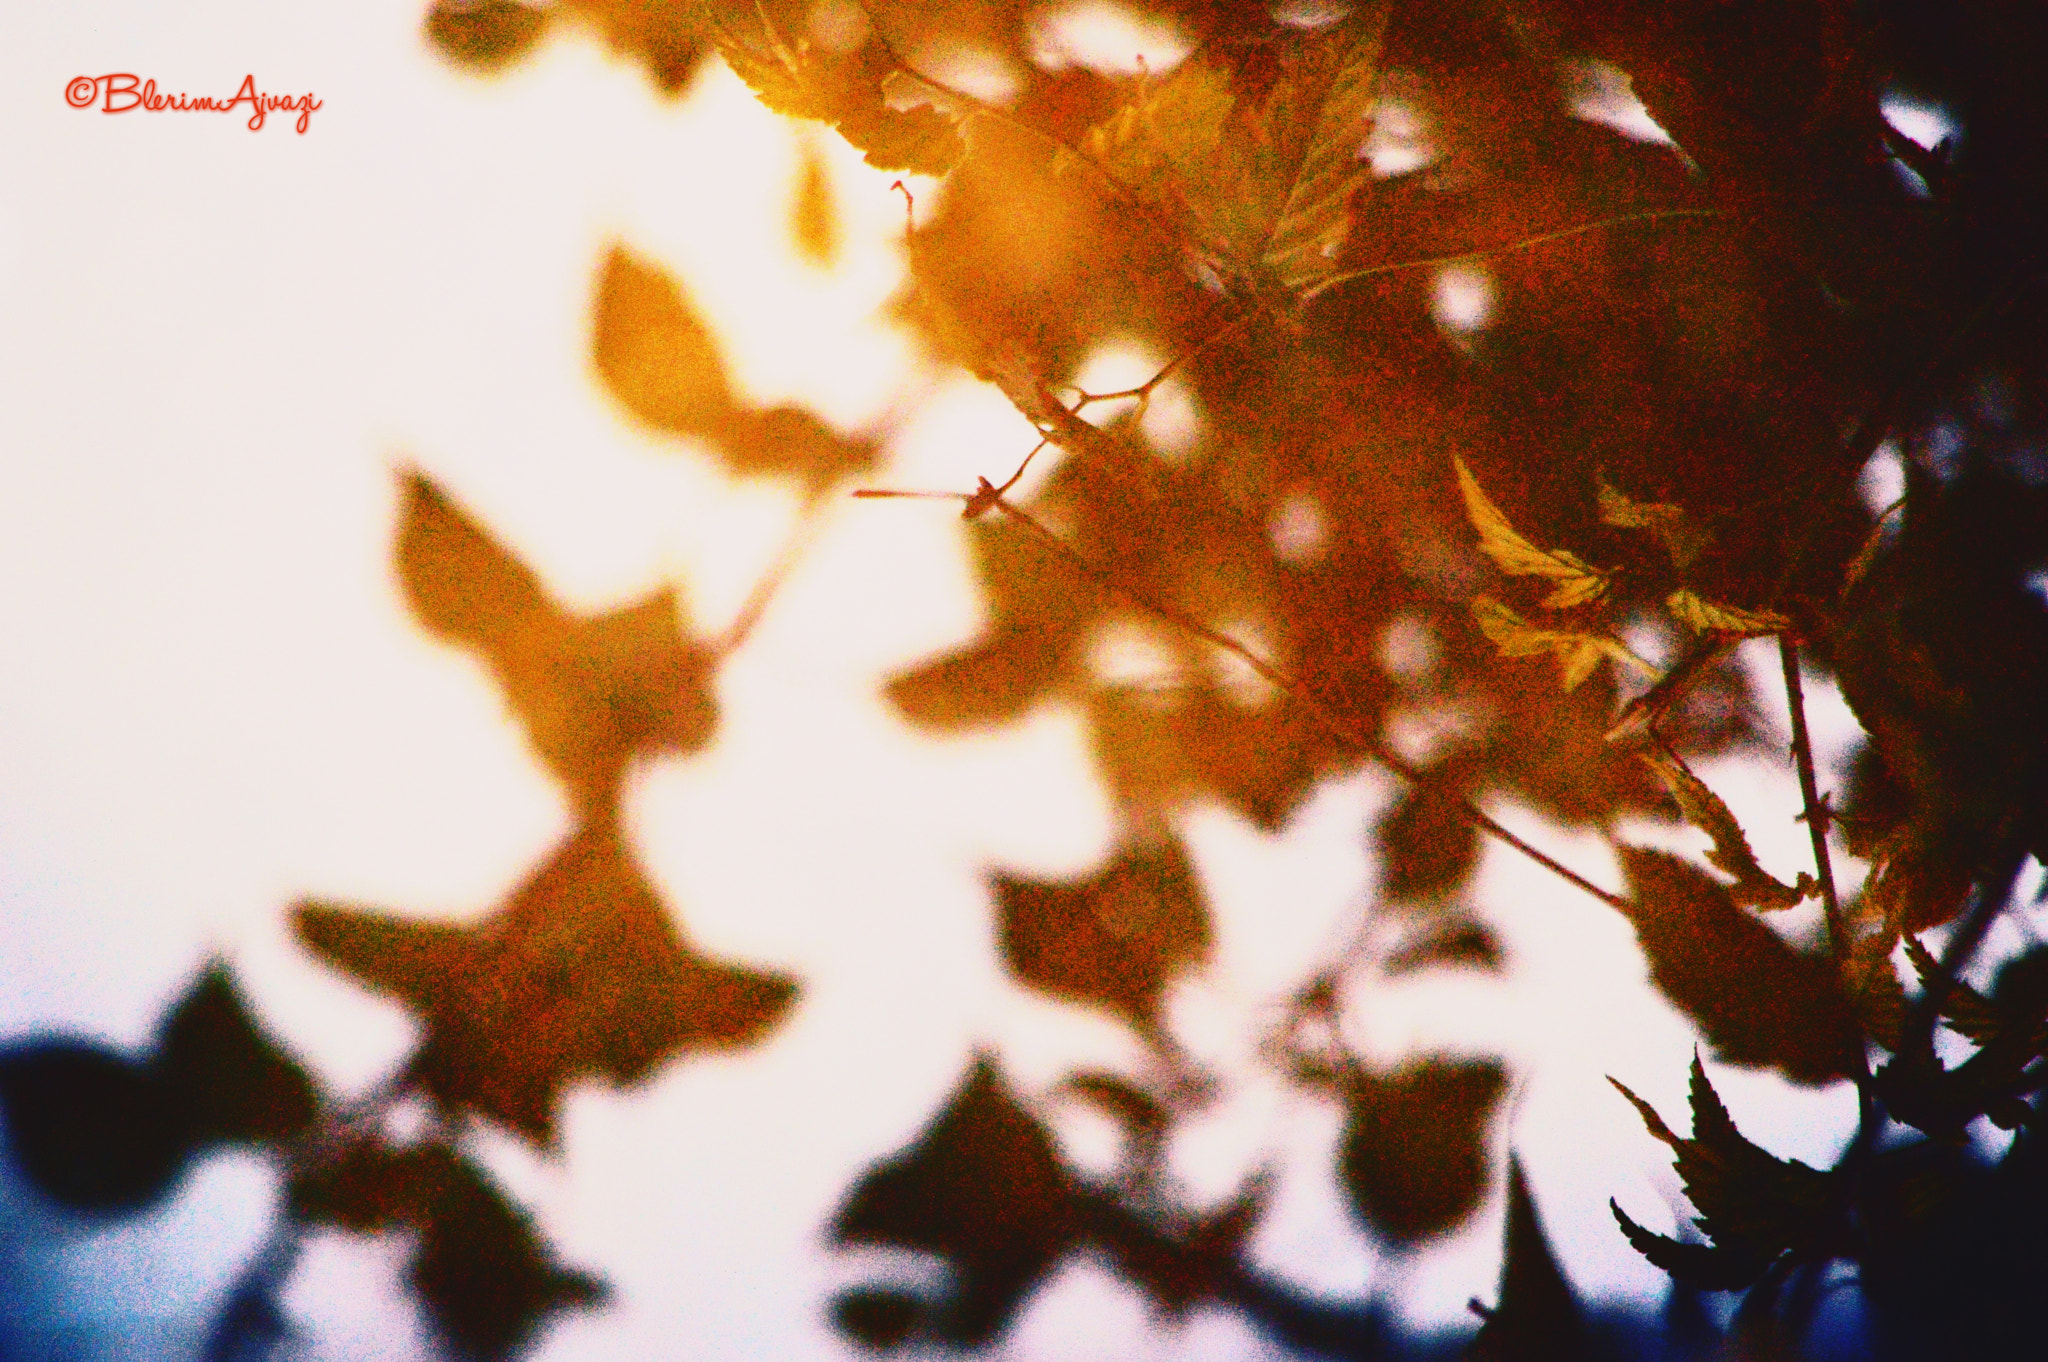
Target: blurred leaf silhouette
(1113, 940)
(982, 1188)
(591, 693)
(580, 973)
(107, 1134)
(1457, 394)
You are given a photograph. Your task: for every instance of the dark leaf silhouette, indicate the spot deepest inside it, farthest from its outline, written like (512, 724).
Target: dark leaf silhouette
(1753, 1206)
(2010, 1030)
(1427, 843)
(1758, 1001)
(1538, 1317)
(1453, 944)
(590, 692)
(982, 1188)
(485, 35)
(880, 1320)
(1113, 940)
(234, 1082)
(1414, 1153)
(367, 1187)
(487, 1278)
(94, 1131)
(580, 974)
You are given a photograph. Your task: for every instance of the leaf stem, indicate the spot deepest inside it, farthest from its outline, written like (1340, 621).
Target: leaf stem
(1332, 723)
(1809, 795)
(1513, 247)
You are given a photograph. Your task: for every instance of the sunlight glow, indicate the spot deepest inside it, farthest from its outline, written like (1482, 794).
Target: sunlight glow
(1107, 38)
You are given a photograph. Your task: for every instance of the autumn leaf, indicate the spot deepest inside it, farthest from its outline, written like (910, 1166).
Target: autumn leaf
(659, 358)
(481, 1268)
(1538, 1315)
(1683, 540)
(1703, 616)
(1731, 851)
(1112, 940)
(1413, 1158)
(1577, 580)
(668, 37)
(813, 220)
(793, 76)
(982, 1188)
(484, 35)
(1577, 654)
(1753, 1206)
(579, 974)
(591, 692)
(237, 1085)
(2010, 1031)
(1754, 998)
(1261, 179)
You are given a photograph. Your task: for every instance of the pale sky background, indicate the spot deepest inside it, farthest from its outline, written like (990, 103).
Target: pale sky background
(217, 345)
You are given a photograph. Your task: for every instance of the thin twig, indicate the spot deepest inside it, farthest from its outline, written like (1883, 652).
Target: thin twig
(1809, 794)
(1512, 248)
(1333, 723)
(1839, 944)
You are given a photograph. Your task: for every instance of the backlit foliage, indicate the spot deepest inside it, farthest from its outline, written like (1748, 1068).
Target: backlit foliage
(1644, 452)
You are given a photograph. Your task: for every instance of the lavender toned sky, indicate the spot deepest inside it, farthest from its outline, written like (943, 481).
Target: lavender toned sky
(218, 346)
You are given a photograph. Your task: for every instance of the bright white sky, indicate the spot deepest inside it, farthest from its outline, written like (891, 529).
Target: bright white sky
(215, 347)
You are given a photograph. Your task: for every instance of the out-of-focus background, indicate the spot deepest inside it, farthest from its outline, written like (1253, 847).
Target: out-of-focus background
(219, 350)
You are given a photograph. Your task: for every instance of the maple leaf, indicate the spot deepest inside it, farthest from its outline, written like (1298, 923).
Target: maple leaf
(983, 1187)
(591, 692)
(1683, 540)
(1753, 1206)
(1577, 654)
(1731, 851)
(1703, 616)
(1577, 580)
(580, 973)
(1413, 1158)
(1538, 1314)
(1262, 179)
(850, 90)
(2010, 1031)
(659, 358)
(1754, 998)
(1114, 939)
(480, 1266)
(484, 35)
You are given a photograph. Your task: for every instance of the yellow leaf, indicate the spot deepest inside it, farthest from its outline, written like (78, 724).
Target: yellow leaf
(1577, 654)
(1577, 580)
(1731, 851)
(1259, 181)
(654, 351)
(1683, 540)
(1301, 250)
(1703, 616)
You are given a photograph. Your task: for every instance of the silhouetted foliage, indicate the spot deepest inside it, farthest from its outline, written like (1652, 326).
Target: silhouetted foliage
(1502, 445)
